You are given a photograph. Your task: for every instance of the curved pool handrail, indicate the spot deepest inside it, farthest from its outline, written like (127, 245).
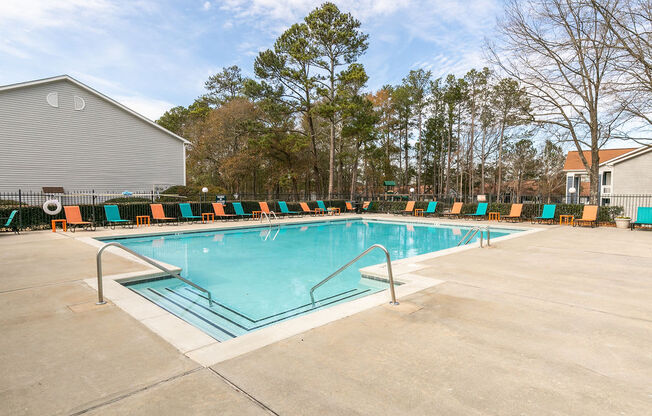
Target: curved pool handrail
(98, 259)
(364, 253)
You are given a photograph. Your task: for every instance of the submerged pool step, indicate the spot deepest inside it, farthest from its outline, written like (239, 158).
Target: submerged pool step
(223, 322)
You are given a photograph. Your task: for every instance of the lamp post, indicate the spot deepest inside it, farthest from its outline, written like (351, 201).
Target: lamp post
(204, 191)
(572, 191)
(411, 193)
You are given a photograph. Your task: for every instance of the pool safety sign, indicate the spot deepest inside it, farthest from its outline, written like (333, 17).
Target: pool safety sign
(220, 198)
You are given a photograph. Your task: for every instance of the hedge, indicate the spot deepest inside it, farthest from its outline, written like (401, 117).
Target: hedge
(605, 213)
(34, 218)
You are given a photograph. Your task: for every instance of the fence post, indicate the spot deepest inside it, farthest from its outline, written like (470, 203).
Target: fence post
(93, 192)
(20, 210)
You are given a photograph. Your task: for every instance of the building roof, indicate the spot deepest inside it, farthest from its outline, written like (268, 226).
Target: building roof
(92, 91)
(573, 161)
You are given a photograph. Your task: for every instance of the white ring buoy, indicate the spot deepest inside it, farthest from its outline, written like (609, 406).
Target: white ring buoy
(55, 202)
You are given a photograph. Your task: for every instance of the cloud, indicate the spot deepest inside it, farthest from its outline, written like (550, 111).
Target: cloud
(150, 108)
(207, 5)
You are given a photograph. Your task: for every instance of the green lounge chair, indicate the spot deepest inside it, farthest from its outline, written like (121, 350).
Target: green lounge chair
(237, 207)
(113, 217)
(432, 207)
(321, 205)
(186, 212)
(480, 212)
(643, 217)
(284, 209)
(366, 206)
(9, 223)
(548, 214)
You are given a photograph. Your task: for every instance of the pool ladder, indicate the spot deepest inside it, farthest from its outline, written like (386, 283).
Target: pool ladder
(98, 259)
(472, 232)
(364, 253)
(269, 219)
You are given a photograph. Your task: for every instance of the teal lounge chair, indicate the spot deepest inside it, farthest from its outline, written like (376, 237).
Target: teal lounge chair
(9, 223)
(368, 205)
(548, 214)
(113, 217)
(321, 205)
(237, 207)
(432, 207)
(643, 217)
(186, 212)
(284, 209)
(481, 212)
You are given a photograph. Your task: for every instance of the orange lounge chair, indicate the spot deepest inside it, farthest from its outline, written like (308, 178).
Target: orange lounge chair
(158, 214)
(456, 211)
(514, 213)
(264, 207)
(307, 209)
(74, 219)
(409, 207)
(219, 211)
(349, 207)
(589, 216)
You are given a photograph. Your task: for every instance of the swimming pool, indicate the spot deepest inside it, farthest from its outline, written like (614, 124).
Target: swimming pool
(259, 276)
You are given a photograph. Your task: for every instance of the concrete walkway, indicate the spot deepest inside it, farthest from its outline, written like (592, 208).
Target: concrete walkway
(557, 322)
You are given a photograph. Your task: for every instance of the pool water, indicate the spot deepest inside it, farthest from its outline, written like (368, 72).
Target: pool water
(260, 276)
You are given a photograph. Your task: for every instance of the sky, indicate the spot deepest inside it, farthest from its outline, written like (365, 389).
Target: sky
(152, 55)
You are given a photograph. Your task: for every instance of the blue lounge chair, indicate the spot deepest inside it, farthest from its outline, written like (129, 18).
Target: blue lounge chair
(113, 217)
(321, 205)
(9, 223)
(643, 217)
(186, 212)
(284, 209)
(432, 207)
(481, 212)
(237, 207)
(548, 214)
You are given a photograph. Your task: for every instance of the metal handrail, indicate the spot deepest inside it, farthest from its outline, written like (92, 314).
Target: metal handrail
(472, 232)
(364, 253)
(100, 292)
(268, 217)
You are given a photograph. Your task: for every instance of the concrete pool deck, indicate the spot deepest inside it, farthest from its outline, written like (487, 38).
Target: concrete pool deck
(556, 322)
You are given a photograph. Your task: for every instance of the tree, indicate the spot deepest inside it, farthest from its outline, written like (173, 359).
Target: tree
(418, 83)
(288, 70)
(511, 107)
(561, 52)
(174, 119)
(523, 163)
(551, 176)
(337, 41)
(477, 85)
(224, 86)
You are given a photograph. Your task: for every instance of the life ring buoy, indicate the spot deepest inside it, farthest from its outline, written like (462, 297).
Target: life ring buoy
(56, 203)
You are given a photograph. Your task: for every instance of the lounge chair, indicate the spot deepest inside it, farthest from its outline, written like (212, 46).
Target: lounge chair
(158, 214)
(589, 216)
(113, 217)
(74, 219)
(432, 207)
(514, 213)
(349, 207)
(480, 212)
(366, 205)
(306, 209)
(9, 222)
(284, 209)
(548, 214)
(186, 212)
(321, 205)
(237, 207)
(409, 208)
(643, 217)
(218, 209)
(265, 208)
(456, 211)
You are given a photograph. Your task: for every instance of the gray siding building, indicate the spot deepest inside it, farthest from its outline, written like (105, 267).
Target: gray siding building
(58, 132)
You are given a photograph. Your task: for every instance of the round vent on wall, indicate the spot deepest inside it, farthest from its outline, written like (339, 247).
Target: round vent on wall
(53, 99)
(79, 103)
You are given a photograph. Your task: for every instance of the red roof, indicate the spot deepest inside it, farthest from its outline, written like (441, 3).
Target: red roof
(573, 161)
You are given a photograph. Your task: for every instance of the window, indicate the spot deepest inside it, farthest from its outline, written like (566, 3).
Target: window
(606, 178)
(606, 201)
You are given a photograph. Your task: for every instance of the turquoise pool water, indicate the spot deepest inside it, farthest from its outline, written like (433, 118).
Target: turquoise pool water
(260, 276)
